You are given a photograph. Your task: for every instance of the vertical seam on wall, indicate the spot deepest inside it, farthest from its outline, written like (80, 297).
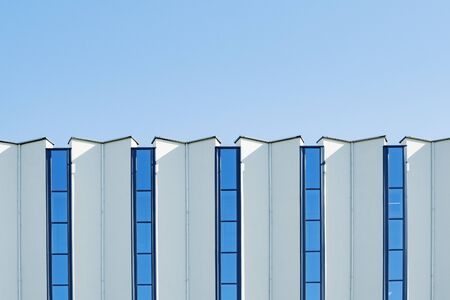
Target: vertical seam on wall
(270, 224)
(102, 216)
(352, 166)
(186, 183)
(19, 222)
(432, 280)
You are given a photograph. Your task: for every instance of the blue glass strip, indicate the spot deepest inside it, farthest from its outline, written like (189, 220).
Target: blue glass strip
(143, 173)
(312, 228)
(228, 223)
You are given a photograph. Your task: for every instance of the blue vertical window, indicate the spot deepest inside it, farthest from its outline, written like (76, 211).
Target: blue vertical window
(395, 225)
(59, 224)
(143, 181)
(228, 225)
(312, 255)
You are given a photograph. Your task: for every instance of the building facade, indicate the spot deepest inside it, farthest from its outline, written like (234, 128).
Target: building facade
(260, 220)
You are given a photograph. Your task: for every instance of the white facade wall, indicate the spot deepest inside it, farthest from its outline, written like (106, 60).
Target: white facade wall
(255, 247)
(117, 219)
(418, 218)
(87, 219)
(185, 219)
(171, 264)
(367, 228)
(441, 222)
(201, 219)
(9, 233)
(285, 219)
(33, 218)
(337, 222)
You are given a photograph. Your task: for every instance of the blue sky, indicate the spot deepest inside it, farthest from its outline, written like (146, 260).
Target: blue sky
(189, 69)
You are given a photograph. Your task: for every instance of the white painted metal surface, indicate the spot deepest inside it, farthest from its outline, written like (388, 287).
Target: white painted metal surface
(441, 245)
(117, 219)
(9, 233)
(418, 204)
(170, 220)
(86, 219)
(285, 199)
(367, 170)
(255, 219)
(33, 220)
(201, 219)
(337, 200)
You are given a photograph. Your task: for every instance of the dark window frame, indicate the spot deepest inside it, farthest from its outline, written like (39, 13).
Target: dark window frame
(49, 191)
(134, 221)
(303, 221)
(218, 221)
(386, 219)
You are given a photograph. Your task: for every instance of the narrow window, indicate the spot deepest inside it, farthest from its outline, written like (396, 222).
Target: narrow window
(395, 226)
(228, 242)
(143, 182)
(312, 256)
(59, 224)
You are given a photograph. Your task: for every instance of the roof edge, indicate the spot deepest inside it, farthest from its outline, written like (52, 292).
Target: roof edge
(103, 142)
(28, 141)
(185, 142)
(414, 138)
(269, 142)
(353, 141)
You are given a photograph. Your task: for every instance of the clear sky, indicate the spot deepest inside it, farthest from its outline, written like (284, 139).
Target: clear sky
(190, 69)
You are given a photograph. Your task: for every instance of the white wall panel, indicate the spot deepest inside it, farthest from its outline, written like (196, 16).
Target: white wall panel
(418, 217)
(8, 221)
(86, 219)
(441, 244)
(201, 222)
(337, 200)
(170, 220)
(368, 219)
(255, 219)
(285, 199)
(117, 219)
(34, 220)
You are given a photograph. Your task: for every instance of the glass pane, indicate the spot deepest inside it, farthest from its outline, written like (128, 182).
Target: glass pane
(144, 268)
(59, 207)
(59, 170)
(395, 167)
(228, 266)
(395, 290)
(59, 238)
(144, 238)
(312, 204)
(312, 235)
(60, 293)
(312, 162)
(228, 237)
(60, 269)
(144, 174)
(395, 265)
(312, 265)
(312, 291)
(228, 292)
(228, 206)
(395, 203)
(143, 206)
(228, 165)
(144, 292)
(395, 234)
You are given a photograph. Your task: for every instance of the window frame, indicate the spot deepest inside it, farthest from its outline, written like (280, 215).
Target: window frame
(49, 223)
(303, 221)
(218, 221)
(134, 221)
(386, 218)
